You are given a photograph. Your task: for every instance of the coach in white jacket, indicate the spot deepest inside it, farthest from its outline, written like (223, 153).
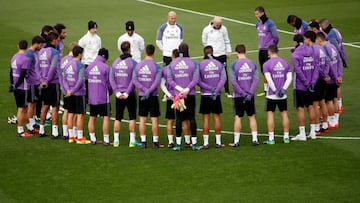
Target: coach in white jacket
(137, 44)
(216, 35)
(91, 43)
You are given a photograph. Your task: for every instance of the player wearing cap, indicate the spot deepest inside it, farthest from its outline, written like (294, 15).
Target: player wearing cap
(216, 35)
(267, 35)
(169, 36)
(278, 74)
(91, 43)
(18, 85)
(146, 77)
(305, 59)
(212, 79)
(244, 78)
(136, 41)
(300, 26)
(121, 74)
(97, 74)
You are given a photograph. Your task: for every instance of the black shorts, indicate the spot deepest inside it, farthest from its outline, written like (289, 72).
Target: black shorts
(166, 60)
(150, 105)
(272, 103)
(20, 98)
(77, 104)
(320, 90)
(239, 107)
(100, 110)
(208, 106)
(131, 105)
(330, 92)
(263, 57)
(51, 94)
(33, 93)
(66, 102)
(170, 112)
(303, 98)
(189, 112)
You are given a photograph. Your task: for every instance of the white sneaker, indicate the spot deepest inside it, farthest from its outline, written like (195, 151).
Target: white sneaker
(313, 137)
(229, 95)
(299, 138)
(164, 98)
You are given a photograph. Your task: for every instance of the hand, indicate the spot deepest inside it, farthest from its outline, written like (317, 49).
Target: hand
(339, 80)
(247, 98)
(214, 96)
(12, 88)
(280, 93)
(327, 78)
(68, 93)
(213, 90)
(344, 64)
(144, 97)
(44, 84)
(311, 88)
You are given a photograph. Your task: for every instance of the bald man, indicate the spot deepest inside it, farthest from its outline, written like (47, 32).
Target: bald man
(216, 35)
(169, 36)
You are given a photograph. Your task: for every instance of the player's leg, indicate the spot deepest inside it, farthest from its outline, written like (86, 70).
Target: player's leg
(217, 128)
(206, 131)
(142, 130)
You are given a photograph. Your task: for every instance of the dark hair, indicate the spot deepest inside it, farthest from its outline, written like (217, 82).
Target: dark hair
(51, 36)
(175, 53)
(37, 40)
(240, 48)
(310, 35)
(23, 44)
(104, 53)
(321, 36)
(47, 29)
(125, 47)
(260, 9)
(208, 50)
(184, 49)
(273, 48)
(298, 38)
(315, 25)
(291, 18)
(150, 50)
(59, 27)
(77, 50)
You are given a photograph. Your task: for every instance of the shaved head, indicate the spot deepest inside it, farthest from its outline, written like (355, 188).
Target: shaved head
(172, 17)
(217, 22)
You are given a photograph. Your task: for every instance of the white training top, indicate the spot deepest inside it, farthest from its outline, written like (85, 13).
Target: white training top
(169, 37)
(137, 45)
(91, 45)
(217, 38)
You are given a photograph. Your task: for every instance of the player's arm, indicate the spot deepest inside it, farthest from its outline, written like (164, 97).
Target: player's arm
(159, 36)
(298, 71)
(221, 82)
(163, 87)
(172, 83)
(233, 80)
(227, 42)
(195, 78)
(274, 33)
(80, 81)
(204, 36)
(53, 67)
(255, 81)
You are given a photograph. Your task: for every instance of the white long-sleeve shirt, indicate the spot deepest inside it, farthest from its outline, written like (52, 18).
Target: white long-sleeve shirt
(91, 45)
(137, 45)
(217, 38)
(169, 37)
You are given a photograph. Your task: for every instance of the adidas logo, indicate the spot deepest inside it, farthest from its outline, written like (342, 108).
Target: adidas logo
(13, 64)
(211, 66)
(333, 53)
(70, 71)
(279, 66)
(245, 68)
(94, 71)
(64, 64)
(181, 65)
(121, 65)
(322, 54)
(43, 56)
(145, 70)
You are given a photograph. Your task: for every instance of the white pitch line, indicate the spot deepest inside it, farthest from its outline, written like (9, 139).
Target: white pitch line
(225, 18)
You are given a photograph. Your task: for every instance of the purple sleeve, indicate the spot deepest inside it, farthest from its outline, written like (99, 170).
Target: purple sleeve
(113, 81)
(316, 73)
(53, 68)
(254, 82)
(236, 86)
(274, 33)
(79, 81)
(170, 78)
(204, 85)
(297, 70)
(131, 85)
(222, 81)
(195, 78)
(136, 82)
(156, 82)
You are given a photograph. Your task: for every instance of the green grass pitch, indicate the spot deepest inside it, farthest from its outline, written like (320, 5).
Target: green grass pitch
(45, 170)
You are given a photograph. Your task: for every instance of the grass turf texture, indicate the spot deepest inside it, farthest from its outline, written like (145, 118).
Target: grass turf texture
(44, 170)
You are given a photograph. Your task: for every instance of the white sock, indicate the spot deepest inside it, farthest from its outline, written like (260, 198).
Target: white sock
(317, 127)
(116, 136)
(187, 139)
(312, 129)
(339, 102)
(206, 140)
(331, 120)
(20, 129)
(29, 126)
(178, 140)
(271, 136)
(132, 137)
(336, 118)
(194, 140)
(254, 136)
(65, 130)
(75, 131)
(155, 138)
(106, 138)
(92, 137)
(302, 130)
(71, 133)
(55, 130)
(266, 87)
(286, 135)
(324, 125)
(143, 138)
(32, 121)
(80, 134)
(236, 138)
(218, 139)
(171, 139)
(42, 129)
